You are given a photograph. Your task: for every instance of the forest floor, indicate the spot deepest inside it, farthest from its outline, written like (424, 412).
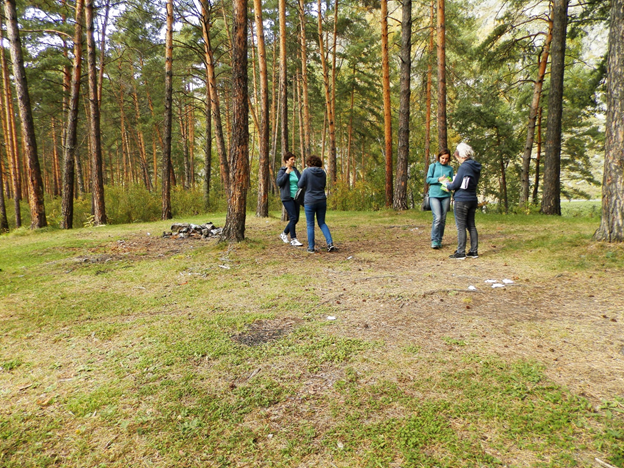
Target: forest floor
(124, 348)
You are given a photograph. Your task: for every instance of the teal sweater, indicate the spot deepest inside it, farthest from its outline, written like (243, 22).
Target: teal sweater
(437, 170)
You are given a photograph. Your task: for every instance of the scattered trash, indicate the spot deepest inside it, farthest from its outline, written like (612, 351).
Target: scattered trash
(226, 267)
(340, 445)
(349, 258)
(491, 281)
(270, 436)
(472, 288)
(331, 317)
(508, 281)
(498, 285)
(183, 230)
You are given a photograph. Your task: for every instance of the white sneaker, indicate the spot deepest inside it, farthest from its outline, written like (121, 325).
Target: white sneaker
(295, 243)
(284, 237)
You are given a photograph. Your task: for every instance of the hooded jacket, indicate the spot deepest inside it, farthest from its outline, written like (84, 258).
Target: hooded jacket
(466, 180)
(313, 180)
(283, 182)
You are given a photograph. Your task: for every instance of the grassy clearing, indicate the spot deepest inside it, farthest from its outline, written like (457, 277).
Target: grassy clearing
(120, 348)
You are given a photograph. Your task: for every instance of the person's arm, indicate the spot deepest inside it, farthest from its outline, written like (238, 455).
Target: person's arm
(430, 179)
(282, 177)
(302, 180)
(461, 172)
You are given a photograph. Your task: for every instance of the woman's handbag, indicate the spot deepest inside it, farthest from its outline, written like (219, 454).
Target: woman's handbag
(299, 196)
(426, 205)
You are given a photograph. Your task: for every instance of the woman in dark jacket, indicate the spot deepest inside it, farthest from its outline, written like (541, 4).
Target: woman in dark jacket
(287, 179)
(314, 180)
(466, 203)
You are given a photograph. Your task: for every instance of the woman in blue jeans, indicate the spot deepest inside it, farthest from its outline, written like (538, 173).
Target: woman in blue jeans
(466, 203)
(440, 200)
(313, 180)
(287, 179)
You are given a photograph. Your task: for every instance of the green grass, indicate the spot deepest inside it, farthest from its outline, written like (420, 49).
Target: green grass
(131, 362)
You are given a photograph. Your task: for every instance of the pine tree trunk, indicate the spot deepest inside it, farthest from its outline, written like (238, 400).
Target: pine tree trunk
(538, 156)
(385, 66)
(4, 223)
(97, 178)
(234, 229)
(10, 135)
(283, 82)
(551, 197)
(612, 223)
(214, 97)
(442, 131)
(139, 133)
(166, 157)
(304, 75)
(102, 52)
(56, 179)
(35, 183)
(537, 93)
(350, 131)
(332, 122)
(400, 190)
(208, 148)
(262, 209)
(427, 155)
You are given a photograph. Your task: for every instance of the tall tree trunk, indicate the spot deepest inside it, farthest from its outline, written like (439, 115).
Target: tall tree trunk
(400, 190)
(385, 66)
(442, 137)
(208, 148)
(537, 93)
(328, 106)
(283, 80)
(612, 223)
(262, 209)
(214, 97)
(56, 179)
(538, 156)
(551, 197)
(186, 182)
(103, 52)
(427, 155)
(234, 229)
(35, 183)
(332, 122)
(4, 223)
(139, 133)
(97, 178)
(166, 157)
(350, 131)
(10, 134)
(304, 75)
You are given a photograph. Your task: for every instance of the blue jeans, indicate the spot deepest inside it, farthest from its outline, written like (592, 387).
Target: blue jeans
(465, 219)
(292, 208)
(439, 208)
(319, 209)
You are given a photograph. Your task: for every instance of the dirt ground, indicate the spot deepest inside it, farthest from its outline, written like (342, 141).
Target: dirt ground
(386, 283)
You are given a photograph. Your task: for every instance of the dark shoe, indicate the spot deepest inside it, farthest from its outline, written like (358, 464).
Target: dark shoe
(472, 255)
(435, 245)
(310, 250)
(331, 248)
(458, 256)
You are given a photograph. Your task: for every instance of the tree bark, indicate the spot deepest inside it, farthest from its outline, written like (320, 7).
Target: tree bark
(208, 148)
(385, 66)
(537, 93)
(551, 197)
(262, 209)
(97, 178)
(234, 229)
(35, 183)
(4, 223)
(538, 156)
(332, 133)
(283, 80)
(168, 118)
(214, 97)
(612, 223)
(304, 75)
(400, 189)
(427, 155)
(442, 130)
(69, 148)
(10, 134)
(328, 104)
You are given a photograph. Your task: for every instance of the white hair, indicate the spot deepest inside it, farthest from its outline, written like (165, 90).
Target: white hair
(464, 151)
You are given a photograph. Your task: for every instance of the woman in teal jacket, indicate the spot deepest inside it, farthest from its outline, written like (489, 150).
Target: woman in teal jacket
(439, 199)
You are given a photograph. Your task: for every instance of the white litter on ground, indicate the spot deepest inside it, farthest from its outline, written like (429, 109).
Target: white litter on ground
(472, 288)
(331, 317)
(508, 281)
(491, 281)
(498, 285)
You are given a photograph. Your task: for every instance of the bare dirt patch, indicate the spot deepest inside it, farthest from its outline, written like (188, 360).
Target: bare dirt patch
(264, 331)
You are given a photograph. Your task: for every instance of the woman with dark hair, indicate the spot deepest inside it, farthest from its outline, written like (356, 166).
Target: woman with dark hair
(466, 202)
(440, 200)
(287, 179)
(314, 180)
